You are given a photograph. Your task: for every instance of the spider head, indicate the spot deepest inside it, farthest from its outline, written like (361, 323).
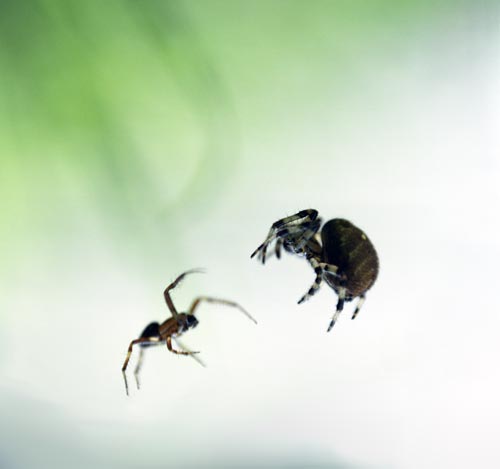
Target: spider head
(191, 321)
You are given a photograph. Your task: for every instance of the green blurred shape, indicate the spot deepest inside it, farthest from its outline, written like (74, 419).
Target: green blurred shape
(110, 112)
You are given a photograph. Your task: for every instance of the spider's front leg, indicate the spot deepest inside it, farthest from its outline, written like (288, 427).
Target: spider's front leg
(176, 282)
(295, 226)
(210, 299)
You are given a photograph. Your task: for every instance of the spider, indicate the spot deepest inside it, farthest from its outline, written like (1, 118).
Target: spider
(157, 334)
(342, 255)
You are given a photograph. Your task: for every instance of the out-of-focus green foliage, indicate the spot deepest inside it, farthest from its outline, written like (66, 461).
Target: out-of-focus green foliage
(108, 109)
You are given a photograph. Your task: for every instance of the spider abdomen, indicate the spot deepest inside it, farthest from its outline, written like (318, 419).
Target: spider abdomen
(347, 247)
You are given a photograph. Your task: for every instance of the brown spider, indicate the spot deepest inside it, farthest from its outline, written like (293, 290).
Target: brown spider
(157, 334)
(342, 255)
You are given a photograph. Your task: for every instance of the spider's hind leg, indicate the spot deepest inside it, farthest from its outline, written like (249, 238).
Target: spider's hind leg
(151, 330)
(138, 367)
(340, 307)
(141, 341)
(361, 300)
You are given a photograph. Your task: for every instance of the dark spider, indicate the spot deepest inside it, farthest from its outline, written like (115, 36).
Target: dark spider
(342, 255)
(157, 334)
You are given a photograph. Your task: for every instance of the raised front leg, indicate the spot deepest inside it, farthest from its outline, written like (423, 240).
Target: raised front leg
(176, 282)
(289, 226)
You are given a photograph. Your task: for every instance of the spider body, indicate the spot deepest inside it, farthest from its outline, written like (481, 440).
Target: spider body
(172, 328)
(341, 255)
(347, 247)
(176, 326)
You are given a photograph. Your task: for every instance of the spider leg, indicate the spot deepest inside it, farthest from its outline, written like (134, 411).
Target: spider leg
(277, 248)
(315, 286)
(340, 307)
(129, 352)
(176, 282)
(320, 268)
(151, 330)
(284, 227)
(138, 367)
(178, 352)
(361, 300)
(262, 249)
(310, 231)
(309, 215)
(210, 299)
(186, 349)
(300, 239)
(297, 237)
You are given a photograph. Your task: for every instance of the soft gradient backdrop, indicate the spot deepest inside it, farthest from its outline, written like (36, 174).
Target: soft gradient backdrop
(139, 139)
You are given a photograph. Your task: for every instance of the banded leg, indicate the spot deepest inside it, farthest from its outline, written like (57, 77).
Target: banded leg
(277, 248)
(210, 299)
(315, 286)
(296, 238)
(300, 239)
(319, 268)
(340, 307)
(278, 229)
(176, 282)
(129, 352)
(309, 214)
(361, 300)
(310, 230)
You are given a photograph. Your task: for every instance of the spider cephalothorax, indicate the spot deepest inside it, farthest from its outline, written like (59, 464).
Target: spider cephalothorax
(342, 255)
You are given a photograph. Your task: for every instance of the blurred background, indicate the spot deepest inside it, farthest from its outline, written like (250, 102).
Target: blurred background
(139, 139)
